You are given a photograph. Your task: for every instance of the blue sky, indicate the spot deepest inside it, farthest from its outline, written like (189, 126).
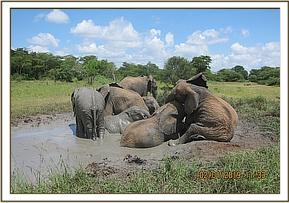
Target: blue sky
(248, 37)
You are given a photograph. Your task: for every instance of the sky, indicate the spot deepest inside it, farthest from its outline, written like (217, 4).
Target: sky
(248, 37)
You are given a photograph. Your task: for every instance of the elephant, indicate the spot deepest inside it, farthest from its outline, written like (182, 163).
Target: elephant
(151, 103)
(117, 123)
(162, 126)
(118, 99)
(207, 116)
(88, 105)
(199, 80)
(141, 85)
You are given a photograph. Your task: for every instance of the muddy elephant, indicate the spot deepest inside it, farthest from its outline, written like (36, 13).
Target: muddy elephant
(118, 99)
(163, 125)
(88, 105)
(151, 103)
(141, 85)
(207, 116)
(117, 123)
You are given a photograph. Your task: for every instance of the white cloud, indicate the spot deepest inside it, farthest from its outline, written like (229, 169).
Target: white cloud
(169, 38)
(245, 33)
(189, 51)
(119, 32)
(210, 36)
(57, 16)
(267, 54)
(37, 48)
(44, 39)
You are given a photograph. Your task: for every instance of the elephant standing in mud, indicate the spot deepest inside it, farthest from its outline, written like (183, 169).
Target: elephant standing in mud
(118, 99)
(207, 116)
(88, 105)
(151, 103)
(117, 123)
(141, 85)
(165, 124)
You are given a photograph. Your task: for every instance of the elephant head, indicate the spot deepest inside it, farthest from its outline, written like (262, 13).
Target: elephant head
(152, 85)
(136, 113)
(184, 94)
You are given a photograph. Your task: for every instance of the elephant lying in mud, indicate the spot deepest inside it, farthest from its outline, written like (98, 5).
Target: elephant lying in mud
(151, 103)
(164, 125)
(118, 99)
(207, 116)
(141, 85)
(117, 123)
(88, 106)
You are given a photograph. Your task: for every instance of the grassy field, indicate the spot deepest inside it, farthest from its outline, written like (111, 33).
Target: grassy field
(30, 98)
(46, 97)
(255, 103)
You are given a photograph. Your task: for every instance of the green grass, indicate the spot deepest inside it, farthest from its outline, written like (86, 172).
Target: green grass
(258, 174)
(244, 90)
(45, 97)
(30, 98)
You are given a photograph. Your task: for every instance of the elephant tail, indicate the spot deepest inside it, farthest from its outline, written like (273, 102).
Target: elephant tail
(94, 116)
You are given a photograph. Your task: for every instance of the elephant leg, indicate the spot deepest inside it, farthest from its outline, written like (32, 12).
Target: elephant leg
(100, 125)
(79, 128)
(197, 131)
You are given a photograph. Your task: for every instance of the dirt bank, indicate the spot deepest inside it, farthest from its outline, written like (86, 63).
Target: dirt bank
(48, 143)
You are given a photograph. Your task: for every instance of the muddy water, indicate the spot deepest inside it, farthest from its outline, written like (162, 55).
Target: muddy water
(39, 150)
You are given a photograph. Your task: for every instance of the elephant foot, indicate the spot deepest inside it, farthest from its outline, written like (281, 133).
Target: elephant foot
(173, 142)
(93, 138)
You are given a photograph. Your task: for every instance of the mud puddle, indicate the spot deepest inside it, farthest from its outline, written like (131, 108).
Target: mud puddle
(53, 146)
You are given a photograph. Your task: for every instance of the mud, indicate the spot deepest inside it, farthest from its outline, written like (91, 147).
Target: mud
(47, 144)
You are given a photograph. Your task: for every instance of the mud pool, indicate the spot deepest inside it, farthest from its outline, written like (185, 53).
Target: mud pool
(39, 148)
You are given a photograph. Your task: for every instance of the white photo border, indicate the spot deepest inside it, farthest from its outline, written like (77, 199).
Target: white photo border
(6, 21)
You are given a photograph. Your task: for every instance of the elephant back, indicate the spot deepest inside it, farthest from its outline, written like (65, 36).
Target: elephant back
(122, 99)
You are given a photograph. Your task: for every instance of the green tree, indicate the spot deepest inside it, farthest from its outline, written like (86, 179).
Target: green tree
(201, 63)
(242, 71)
(177, 68)
(228, 75)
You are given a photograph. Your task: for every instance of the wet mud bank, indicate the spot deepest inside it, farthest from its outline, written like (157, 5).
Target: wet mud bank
(43, 145)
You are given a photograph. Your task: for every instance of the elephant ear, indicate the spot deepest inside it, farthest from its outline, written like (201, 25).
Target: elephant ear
(104, 90)
(191, 101)
(168, 123)
(199, 80)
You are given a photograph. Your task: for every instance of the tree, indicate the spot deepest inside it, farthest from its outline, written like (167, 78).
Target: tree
(242, 71)
(201, 63)
(266, 75)
(177, 68)
(228, 75)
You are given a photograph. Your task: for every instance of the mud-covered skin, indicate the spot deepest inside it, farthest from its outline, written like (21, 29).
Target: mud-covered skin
(118, 99)
(88, 106)
(207, 115)
(117, 123)
(164, 125)
(142, 85)
(151, 103)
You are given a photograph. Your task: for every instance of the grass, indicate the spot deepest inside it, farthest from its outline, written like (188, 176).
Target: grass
(258, 174)
(30, 98)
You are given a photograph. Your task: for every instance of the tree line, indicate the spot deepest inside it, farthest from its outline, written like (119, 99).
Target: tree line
(26, 65)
